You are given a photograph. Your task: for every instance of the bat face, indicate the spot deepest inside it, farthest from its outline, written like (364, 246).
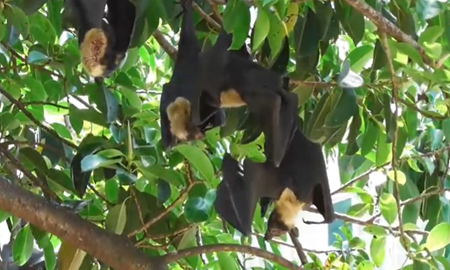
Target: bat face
(93, 49)
(282, 218)
(103, 45)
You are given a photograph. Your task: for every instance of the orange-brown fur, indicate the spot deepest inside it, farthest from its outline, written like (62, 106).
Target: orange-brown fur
(288, 207)
(179, 112)
(231, 99)
(93, 49)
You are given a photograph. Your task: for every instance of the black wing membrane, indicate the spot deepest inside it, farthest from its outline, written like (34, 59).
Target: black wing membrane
(89, 14)
(228, 73)
(185, 112)
(302, 171)
(239, 192)
(121, 17)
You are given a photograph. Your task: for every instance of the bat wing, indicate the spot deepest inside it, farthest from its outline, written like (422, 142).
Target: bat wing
(305, 168)
(89, 14)
(240, 190)
(121, 17)
(276, 114)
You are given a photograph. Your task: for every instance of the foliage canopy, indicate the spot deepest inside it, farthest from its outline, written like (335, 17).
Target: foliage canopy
(373, 84)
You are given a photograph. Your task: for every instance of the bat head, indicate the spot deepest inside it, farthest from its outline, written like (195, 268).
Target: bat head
(176, 123)
(276, 226)
(282, 218)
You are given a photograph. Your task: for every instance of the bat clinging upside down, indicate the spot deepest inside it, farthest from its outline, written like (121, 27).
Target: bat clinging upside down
(233, 80)
(103, 44)
(300, 180)
(185, 111)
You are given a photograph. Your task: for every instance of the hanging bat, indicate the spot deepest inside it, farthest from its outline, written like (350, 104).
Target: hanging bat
(233, 80)
(103, 44)
(300, 180)
(184, 110)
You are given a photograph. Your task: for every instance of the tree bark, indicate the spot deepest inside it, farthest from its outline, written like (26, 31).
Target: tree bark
(114, 250)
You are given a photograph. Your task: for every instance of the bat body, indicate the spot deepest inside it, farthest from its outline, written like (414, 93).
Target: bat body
(233, 80)
(103, 44)
(300, 180)
(185, 111)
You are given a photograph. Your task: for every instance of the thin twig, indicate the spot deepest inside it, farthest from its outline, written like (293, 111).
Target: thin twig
(37, 181)
(385, 46)
(298, 248)
(205, 16)
(45, 103)
(182, 197)
(233, 248)
(385, 26)
(167, 47)
(22, 108)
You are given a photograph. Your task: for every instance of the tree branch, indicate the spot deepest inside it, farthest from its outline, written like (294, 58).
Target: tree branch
(191, 183)
(36, 181)
(167, 47)
(389, 28)
(114, 250)
(22, 108)
(233, 248)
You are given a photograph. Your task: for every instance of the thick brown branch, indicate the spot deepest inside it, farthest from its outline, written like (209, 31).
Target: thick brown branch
(233, 248)
(389, 28)
(114, 250)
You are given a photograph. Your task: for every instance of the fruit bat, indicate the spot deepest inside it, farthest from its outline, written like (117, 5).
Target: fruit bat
(103, 44)
(300, 180)
(184, 110)
(232, 80)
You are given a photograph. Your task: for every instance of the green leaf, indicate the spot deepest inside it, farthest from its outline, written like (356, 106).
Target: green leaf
(401, 177)
(196, 210)
(116, 218)
(92, 162)
(197, 158)
(226, 261)
(242, 26)
(261, 29)
(352, 20)
(388, 207)
(384, 153)
(378, 250)
(3, 216)
(345, 108)
(17, 18)
(23, 246)
(359, 57)
(50, 257)
(431, 34)
(365, 265)
(439, 237)
(375, 230)
(427, 9)
(36, 57)
(304, 92)
(170, 176)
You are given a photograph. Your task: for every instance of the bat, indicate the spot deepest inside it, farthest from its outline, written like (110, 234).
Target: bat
(233, 80)
(300, 180)
(103, 44)
(184, 109)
